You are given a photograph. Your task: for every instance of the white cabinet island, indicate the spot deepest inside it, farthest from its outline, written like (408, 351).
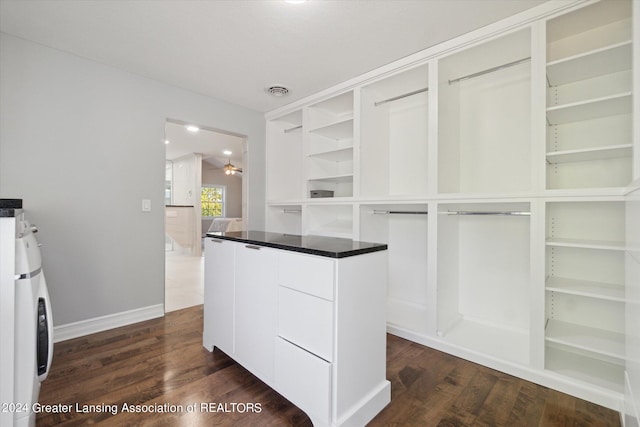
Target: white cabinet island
(306, 315)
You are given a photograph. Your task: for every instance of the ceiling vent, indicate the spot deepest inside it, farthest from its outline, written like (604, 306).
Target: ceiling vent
(277, 90)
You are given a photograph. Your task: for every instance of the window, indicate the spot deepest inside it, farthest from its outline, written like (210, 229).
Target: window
(212, 198)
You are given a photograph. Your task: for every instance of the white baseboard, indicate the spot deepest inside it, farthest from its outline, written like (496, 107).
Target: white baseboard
(103, 323)
(630, 415)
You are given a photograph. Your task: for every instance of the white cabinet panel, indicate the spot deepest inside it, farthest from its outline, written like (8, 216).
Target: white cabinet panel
(255, 302)
(313, 393)
(218, 294)
(306, 321)
(308, 274)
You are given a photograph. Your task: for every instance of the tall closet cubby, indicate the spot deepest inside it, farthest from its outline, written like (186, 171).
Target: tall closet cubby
(495, 166)
(479, 87)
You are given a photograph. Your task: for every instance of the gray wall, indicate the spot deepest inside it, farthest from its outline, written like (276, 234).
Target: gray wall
(82, 144)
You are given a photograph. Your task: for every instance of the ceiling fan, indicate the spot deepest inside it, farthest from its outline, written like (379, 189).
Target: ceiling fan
(230, 169)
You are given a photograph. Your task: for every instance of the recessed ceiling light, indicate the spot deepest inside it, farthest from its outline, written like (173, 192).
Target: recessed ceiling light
(227, 153)
(276, 90)
(192, 128)
(166, 141)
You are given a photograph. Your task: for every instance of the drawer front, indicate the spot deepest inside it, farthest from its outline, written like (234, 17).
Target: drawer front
(306, 273)
(304, 379)
(306, 321)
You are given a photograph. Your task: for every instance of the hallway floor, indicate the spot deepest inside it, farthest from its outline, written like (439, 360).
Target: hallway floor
(184, 281)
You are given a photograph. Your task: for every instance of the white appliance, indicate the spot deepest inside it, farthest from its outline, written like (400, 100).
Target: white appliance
(32, 323)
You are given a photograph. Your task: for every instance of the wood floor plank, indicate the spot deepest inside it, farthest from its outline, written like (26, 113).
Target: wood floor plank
(162, 362)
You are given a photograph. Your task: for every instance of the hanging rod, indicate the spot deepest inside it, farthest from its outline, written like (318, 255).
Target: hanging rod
(395, 98)
(504, 213)
(377, 212)
(292, 129)
(490, 70)
(291, 211)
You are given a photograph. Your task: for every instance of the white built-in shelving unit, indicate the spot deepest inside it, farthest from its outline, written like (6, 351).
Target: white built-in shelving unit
(330, 125)
(589, 97)
(585, 289)
(495, 167)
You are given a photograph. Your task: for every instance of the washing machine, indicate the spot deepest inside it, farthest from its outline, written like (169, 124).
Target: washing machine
(33, 323)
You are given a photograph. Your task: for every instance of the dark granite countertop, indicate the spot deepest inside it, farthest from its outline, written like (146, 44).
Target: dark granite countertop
(8, 207)
(331, 247)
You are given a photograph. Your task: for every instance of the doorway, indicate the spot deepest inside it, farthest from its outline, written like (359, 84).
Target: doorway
(205, 186)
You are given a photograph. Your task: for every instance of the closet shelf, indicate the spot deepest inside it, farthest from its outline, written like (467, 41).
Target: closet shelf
(596, 372)
(605, 291)
(589, 154)
(342, 129)
(598, 62)
(599, 341)
(333, 178)
(593, 108)
(339, 155)
(586, 244)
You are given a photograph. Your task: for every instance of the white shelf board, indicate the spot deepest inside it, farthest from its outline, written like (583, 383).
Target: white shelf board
(586, 244)
(340, 155)
(606, 291)
(589, 154)
(593, 108)
(598, 62)
(603, 374)
(334, 178)
(342, 129)
(586, 338)
(504, 343)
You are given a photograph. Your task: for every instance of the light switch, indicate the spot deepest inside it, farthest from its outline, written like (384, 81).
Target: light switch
(146, 205)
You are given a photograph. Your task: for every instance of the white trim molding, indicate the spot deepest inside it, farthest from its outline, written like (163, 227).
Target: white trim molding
(103, 323)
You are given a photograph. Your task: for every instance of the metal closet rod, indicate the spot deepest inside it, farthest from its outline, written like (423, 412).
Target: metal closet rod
(504, 213)
(490, 70)
(292, 211)
(293, 128)
(377, 211)
(395, 98)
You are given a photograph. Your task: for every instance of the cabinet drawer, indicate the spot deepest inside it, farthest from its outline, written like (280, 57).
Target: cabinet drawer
(306, 321)
(306, 273)
(304, 379)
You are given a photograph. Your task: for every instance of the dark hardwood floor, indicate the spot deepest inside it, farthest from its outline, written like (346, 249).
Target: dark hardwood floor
(162, 362)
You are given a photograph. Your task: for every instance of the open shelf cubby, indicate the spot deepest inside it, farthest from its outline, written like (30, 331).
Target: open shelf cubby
(589, 97)
(484, 277)
(394, 135)
(284, 178)
(329, 142)
(286, 219)
(488, 83)
(585, 294)
(404, 227)
(329, 220)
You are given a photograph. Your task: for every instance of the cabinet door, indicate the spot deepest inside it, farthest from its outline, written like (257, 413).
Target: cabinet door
(304, 379)
(255, 316)
(219, 272)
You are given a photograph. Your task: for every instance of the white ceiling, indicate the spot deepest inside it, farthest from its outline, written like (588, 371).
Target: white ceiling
(206, 142)
(233, 49)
